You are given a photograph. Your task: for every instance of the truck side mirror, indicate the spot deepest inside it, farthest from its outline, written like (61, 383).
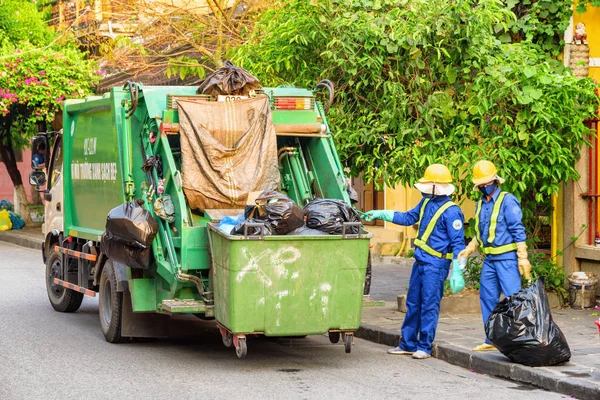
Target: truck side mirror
(39, 152)
(37, 178)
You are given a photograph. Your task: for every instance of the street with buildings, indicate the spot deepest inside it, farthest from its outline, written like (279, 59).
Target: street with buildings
(210, 199)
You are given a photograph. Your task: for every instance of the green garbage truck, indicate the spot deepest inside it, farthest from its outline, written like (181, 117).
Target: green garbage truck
(185, 161)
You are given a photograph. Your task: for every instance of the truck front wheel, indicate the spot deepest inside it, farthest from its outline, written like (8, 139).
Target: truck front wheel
(61, 298)
(110, 305)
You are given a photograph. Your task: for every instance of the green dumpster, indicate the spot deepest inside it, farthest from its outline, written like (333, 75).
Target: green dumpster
(288, 285)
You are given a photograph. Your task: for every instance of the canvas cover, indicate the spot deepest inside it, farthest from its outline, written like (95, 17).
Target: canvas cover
(228, 150)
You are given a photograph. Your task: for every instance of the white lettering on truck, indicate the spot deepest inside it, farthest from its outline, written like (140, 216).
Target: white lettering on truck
(94, 171)
(89, 146)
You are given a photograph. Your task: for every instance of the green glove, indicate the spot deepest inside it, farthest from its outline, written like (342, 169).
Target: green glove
(385, 215)
(457, 282)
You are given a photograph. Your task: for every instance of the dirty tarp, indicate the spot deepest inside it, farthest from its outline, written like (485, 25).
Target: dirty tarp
(229, 149)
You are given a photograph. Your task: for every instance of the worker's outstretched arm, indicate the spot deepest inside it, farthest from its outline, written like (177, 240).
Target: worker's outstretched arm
(400, 218)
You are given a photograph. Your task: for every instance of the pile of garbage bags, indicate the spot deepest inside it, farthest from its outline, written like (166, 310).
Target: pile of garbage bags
(276, 214)
(329, 215)
(521, 327)
(9, 219)
(130, 230)
(5, 222)
(276, 211)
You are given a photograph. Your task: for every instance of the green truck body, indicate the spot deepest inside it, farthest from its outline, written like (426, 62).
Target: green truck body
(275, 285)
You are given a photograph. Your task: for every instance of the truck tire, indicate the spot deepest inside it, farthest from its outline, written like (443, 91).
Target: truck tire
(61, 298)
(110, 305)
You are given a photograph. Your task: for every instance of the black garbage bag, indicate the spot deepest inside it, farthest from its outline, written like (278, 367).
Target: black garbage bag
(306, 231)
(521, 327)
(329, 215)
(276, 210)
(132, 225)
(228, 80)
(134, 257)
(153, 162)
(252, 230)
(352, 193)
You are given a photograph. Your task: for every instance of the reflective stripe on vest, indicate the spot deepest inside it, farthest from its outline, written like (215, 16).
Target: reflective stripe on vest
(421, 242)
(492, 230)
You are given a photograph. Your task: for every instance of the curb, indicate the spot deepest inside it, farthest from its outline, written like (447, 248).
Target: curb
(22, 241)
(491, 364)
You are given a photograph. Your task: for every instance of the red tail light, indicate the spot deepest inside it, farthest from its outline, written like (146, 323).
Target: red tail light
(294, 103)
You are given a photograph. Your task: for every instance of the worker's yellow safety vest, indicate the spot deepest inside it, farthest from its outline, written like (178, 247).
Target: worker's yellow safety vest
(421, 241)
(488, 249)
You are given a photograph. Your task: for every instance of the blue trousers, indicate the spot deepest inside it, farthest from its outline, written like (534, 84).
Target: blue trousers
(497, 276)
(425, 292)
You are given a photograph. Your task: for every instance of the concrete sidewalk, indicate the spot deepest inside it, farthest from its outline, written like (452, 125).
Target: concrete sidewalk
(31, 237)
(457, 335)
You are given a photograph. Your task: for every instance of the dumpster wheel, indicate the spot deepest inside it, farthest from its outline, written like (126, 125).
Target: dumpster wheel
(241, 349)
(334, 337)
(348, 342)
(226, 336)
(227, 339)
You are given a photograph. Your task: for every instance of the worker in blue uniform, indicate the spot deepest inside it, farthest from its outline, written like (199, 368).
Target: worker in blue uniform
(439, 240)
(500, 237)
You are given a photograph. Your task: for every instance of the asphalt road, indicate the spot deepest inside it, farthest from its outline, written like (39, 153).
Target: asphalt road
(49, 355)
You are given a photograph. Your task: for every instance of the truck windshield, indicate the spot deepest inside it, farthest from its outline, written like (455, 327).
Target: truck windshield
(57, 162)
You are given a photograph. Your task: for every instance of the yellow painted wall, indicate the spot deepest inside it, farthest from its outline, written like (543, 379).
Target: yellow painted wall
(591, 19)
(404, 198)
(401, 198)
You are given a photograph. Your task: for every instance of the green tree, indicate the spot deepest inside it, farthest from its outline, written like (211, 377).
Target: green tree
(542, 22)
(21, 21)
(582, 5)
(38, 70)
(425, 81)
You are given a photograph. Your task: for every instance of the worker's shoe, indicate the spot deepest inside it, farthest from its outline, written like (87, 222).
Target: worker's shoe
(420, 355)
(484, 347)
(399, 352)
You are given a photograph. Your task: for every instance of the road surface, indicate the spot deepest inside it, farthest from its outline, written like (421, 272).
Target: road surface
(49, 355)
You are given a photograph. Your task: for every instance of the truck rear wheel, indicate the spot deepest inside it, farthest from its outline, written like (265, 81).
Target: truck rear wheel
(61, 298)
(110, 304)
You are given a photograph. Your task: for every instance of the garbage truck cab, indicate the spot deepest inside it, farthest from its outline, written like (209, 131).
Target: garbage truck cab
(132, 149)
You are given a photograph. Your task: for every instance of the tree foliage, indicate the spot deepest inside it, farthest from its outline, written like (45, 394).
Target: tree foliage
(543, 22)
(424, 81)
(38, 70)
(20, 21)
(582, 5)
(34, 83)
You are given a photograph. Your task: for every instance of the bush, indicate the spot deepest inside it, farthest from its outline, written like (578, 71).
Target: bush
(425, 81)
(554, 275)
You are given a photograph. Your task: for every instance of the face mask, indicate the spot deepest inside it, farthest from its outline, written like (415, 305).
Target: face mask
(488, 190)
(429, 195)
